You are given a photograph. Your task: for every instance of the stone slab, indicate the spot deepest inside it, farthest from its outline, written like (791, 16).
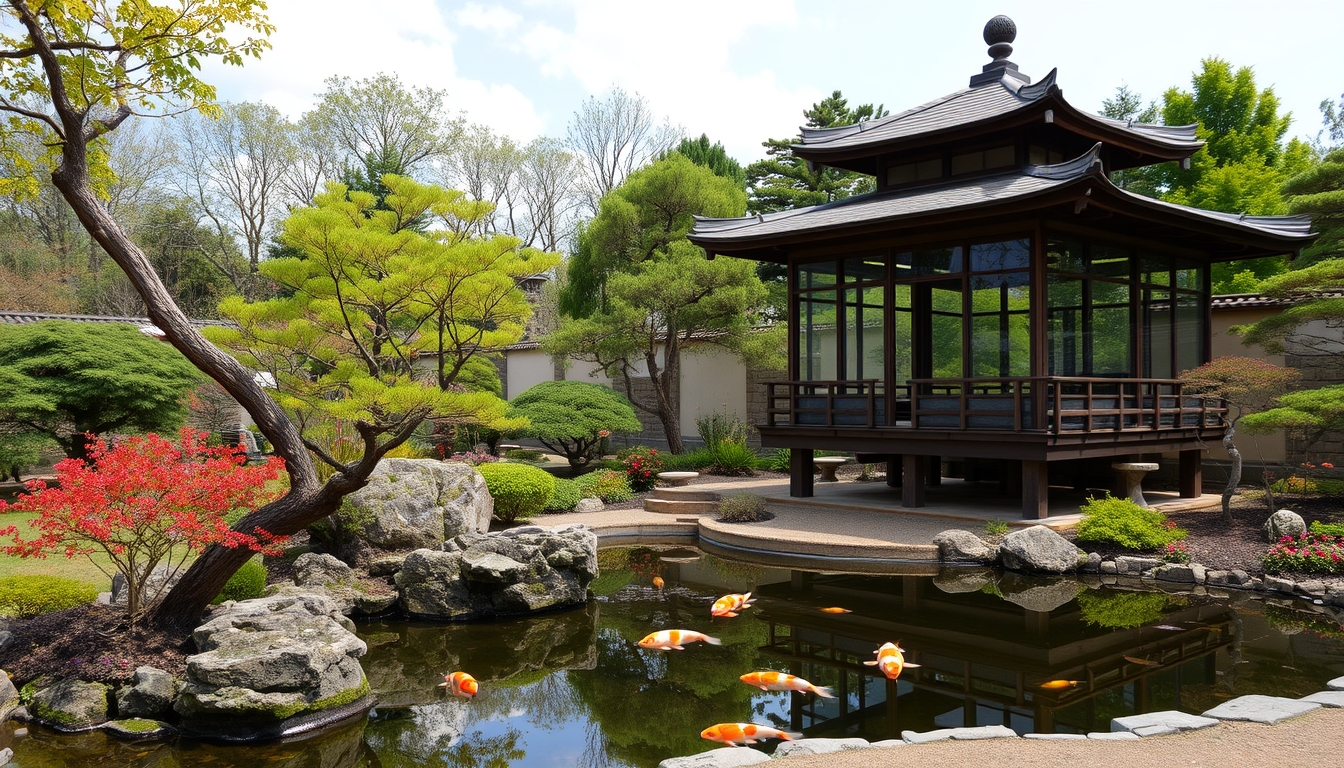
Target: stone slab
(1114, 736)
(1181, 721)
(1336, 685)
(1155, 730)
(1330, 699)
(1257, 708)
(727, 757)
(819, 746)
(887, 743)
(1054, 736)
(959, 734)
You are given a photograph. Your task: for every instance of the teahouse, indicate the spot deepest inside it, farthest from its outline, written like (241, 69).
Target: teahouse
(997, 303)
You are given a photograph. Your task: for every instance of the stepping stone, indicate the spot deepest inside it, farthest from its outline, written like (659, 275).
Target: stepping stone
(1336, 685)
(727, 757)
(887, 743)
(960, 734)
(819, 746)
(1155, 730)
(1256, 708)
(1114, 736)
(1169, 719)
(1054, 736)
(1331, 699)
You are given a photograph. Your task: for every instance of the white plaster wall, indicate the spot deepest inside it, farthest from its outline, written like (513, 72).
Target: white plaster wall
(712, 379)
(527, 368)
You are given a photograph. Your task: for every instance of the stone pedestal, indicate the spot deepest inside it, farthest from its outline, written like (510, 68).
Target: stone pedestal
(1132, 473)
(828, 465)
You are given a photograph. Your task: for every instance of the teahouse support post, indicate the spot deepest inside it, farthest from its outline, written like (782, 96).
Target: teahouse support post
(1035, 490)
(912, 490)
(1192, 474)
(894, 470)
(800, 473)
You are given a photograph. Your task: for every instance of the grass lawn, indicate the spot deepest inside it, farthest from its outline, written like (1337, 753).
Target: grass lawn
(79, 567)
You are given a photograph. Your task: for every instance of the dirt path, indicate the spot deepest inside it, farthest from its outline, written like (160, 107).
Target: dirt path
(1310, 740)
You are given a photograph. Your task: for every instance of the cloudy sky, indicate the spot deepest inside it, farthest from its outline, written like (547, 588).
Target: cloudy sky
(743, 70)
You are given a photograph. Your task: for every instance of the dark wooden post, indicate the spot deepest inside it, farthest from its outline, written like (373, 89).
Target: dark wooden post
(912, 491)
(935, 471)
(1192, 474)
(800, 473)
(1035, 490)
(894, 470)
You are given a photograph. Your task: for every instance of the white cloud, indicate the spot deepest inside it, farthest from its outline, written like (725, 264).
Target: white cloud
(497, 19)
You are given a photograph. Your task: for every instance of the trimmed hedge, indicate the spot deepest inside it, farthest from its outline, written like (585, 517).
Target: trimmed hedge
(1121, 521)
(27, 596)
(519, 491)
(564, 497)
(610, 486)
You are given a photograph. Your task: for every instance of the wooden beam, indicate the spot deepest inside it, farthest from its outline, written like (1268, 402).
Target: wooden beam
(1035, 490)
(800, 473)
(1192, 474)
(912, 491)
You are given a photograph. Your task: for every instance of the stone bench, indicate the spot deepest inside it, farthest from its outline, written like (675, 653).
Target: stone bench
(828, 465)
(678, 478)
(1133, 473)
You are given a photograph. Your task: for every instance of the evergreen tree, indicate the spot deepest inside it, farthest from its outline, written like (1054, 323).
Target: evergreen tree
(712, 156)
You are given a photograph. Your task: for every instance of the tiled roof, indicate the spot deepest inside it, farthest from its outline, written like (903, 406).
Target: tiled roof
(1256, 301)
(14, 317)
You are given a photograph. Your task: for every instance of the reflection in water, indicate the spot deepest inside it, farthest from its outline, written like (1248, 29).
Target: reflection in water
(573, 688)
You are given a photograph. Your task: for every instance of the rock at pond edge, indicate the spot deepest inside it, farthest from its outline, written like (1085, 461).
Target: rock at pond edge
(71, 705)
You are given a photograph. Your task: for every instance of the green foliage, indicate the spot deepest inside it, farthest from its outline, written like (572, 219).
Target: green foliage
(523, 454)
(779, 459)
(1121, 610)
(996, 528)
(1318, 191)
(1294, 484)
(573, 417)
(1122, 522)
(21, 450)
(691, 461)
(519, 491)
(719, 426)
(744, 508)
(1307, 553)
(1308, 414)
(248, 582)
(733, 458)
(28, 596)
(65, 379)
(564, 496)
(712, 156)
(1327, 529)
(609, 485)
(1247, 384)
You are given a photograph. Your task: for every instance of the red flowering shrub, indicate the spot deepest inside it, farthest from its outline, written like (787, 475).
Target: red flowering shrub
(1306, 553)
(642, 466)
(1176, 552)
(144, 501)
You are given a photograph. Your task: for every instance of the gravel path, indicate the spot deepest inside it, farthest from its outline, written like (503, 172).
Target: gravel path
(1310, 740)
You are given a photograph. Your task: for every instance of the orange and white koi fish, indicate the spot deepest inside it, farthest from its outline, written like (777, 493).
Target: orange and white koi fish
(734, 734)
(658, 582)
(833, 609)
(728, 605)
(1055, 685)
(460, 684)
(891, 660)
(778, 681)
(673, 639)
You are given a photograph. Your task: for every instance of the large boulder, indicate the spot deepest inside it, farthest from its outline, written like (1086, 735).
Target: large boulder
(160, 580)
(1038, 549)
(1041, 594)
(326, 576)
(9, 697)
(149, 696)
(319, 570)
(414, 504)
(1285, 522)
(71, 705)
(492, 574)
(272, 667)
(958, 546)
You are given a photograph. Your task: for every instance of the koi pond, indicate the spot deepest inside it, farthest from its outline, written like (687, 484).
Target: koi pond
(574, 688)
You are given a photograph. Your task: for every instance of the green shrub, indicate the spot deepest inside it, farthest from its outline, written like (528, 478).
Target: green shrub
(691, 461)
(606, 484)
(1121, 521)
(523, 454)
(246, 583)
(733, 458)
(564, 497)
(778, 461)
(519, 491)
(574, 418)
(29, 595)
(616, 465)
(996, 528)
(1121, 610)
(642, 465)
(744, 508)
(722, 427)
(1294, 484)
(1327, 529)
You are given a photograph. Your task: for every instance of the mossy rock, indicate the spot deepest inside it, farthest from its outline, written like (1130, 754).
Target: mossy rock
(138, 729)
(71, 705)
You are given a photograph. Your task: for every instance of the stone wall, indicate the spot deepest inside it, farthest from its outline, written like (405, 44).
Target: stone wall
(1317, 371)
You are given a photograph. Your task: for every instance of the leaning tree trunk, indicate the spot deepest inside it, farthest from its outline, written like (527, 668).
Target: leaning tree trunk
(1233, 472)
(665, 392)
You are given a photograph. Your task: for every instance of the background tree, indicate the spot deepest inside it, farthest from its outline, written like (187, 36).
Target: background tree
(382, 119)
(1246, 385)
(1319, 193)
(1128, 105)
(66, 379)
(1308, 415)
(614, 137)
(550, 189)
(572, 418)
(487, 166)
(714, 157)
(646, 292)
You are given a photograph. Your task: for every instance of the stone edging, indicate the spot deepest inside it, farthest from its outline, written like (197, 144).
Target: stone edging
(1269, 710)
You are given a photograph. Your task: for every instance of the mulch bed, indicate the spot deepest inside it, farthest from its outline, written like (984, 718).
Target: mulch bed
(91, 642)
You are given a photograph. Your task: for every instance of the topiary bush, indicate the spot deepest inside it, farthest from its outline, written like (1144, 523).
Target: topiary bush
(608, 485)
(519, 491)
(1121, 521)
(574, 418)
(564, 497)
(30, 595)
(744, 508)
(247, 583)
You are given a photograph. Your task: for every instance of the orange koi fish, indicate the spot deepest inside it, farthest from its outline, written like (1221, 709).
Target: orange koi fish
(778, 681)
(658, 582)
(728, 605)
(835, 610)
(672, 640)
(734, 734)
(460, 684)
(1144, 662)
(891, 660)
(1055, 685)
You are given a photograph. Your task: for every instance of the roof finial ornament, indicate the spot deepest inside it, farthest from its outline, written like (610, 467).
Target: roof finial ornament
(1000, 32)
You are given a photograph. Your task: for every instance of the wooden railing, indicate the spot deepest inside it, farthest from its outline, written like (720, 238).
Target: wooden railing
(1055, 404)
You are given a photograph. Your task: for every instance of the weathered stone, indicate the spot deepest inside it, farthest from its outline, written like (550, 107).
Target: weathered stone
(958, 546)
(159, 581)
(1054, 736)
(1217, 578)
(1181, 573)
(492, 568)
(957, 581)
(1038, 549)
(416, 503)
(150, 695)
(1328, 699)
(267, 661)
(1261, 709)
(387, 565)
(1237, 577)
(590, 505)
(1093, 564)
(1285, 522)
(321, 570)
(819, 746)
(1116, 736)
(374, 604)
(1279, 584)
(1172, 719)
(1336, 685)
(137, 729)
(1038, 594)
(1311, 588)
(1128, 565)
(6, 755)
(1107, 568)
(1155, 730)
(9, 697)
(959, 734)
(71, 705)
(727, 757)
(887, 743)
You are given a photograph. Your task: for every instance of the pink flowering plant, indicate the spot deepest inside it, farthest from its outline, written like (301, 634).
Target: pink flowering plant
(1176, 552)
(642, 466)
(1306, 553)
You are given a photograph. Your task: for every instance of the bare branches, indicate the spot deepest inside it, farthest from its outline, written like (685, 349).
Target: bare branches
(615, 137)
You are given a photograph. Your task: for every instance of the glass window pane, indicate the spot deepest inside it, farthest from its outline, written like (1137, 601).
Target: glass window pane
(1188, 275)
(865, 270)
(1109, 293)
(901, 174)
(1108, 261)
(992, 257)
(929, 169)
(1000, 157)
(935, 261)
(1066, 341)
(972, 161)
(1157, 334)
(817, 337)
(946, 322)
(1189, 332)
(818, 275)
(1157, 270)
(1110, 342)
(1064, 256)
(1064, 292)
(864, 349)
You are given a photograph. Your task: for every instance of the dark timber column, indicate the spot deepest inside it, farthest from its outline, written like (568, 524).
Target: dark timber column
(1192, 474)
(935, 471)
(912, 491)
(800, 473)
(894, 469)
(1035, 490)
